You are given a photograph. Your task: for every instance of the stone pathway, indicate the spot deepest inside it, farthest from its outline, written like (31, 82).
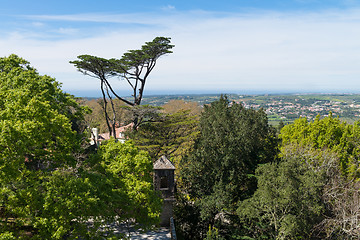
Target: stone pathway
(159, 234)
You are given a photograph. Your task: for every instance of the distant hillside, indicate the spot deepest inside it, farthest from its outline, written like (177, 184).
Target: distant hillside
(285, 107)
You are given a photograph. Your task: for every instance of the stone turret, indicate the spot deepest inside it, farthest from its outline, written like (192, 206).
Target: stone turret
(164, 182)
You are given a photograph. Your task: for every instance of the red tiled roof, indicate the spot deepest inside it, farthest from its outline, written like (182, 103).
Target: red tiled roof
(106, 136)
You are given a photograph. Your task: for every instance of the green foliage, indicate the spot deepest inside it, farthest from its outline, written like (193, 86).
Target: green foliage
(145, 56)
(35, 120)
(68, 201)
(340, 195)
(233, 141)
(7, 236)
(50, 187)
(143, 114)
(288, 200)
(213, 234)
(131, 172)
(37, 137)
(327, 133)
(318, 172)
(95, 66)
(169, 134)
(219, 173)
(189, 224)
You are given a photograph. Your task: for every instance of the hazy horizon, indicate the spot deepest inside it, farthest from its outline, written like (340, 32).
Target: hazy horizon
(97, 93)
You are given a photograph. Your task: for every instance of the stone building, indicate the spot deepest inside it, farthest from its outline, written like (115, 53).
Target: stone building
(164, 182)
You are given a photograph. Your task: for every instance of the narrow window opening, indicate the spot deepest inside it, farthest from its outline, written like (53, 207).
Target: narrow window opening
(163, 182)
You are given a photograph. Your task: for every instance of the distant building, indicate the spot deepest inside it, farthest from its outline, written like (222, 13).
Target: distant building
(164, 182)
(119, 134)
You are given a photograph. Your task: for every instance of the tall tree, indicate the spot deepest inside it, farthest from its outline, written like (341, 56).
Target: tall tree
(134, 67)
(37, 141)
(287, 203)
(219, 173)
(133, 196)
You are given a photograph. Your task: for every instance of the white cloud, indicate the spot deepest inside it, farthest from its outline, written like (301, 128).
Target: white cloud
(215, 51)
(67, 31)
(168, 8)
(97, 18)
(38, 24)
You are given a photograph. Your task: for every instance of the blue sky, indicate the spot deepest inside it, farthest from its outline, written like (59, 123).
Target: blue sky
(220, 46)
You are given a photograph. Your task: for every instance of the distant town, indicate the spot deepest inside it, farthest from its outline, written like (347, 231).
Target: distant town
(284, 108)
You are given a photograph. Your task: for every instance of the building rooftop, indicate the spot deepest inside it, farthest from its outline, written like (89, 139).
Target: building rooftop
(163, 163)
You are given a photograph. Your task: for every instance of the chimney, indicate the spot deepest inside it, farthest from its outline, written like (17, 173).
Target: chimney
(94, 135)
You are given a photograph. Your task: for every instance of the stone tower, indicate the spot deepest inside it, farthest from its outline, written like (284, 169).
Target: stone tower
(164, 182)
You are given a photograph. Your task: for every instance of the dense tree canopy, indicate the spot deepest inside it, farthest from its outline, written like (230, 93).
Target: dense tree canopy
(50, 186)
(309, 192)
(233, 141)
(219, 172)
(171, 135)
(35, 119)
(327, 133)
(312, 192)
(132, 186)
(37, 141)
(315, 141)
(287, 203)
